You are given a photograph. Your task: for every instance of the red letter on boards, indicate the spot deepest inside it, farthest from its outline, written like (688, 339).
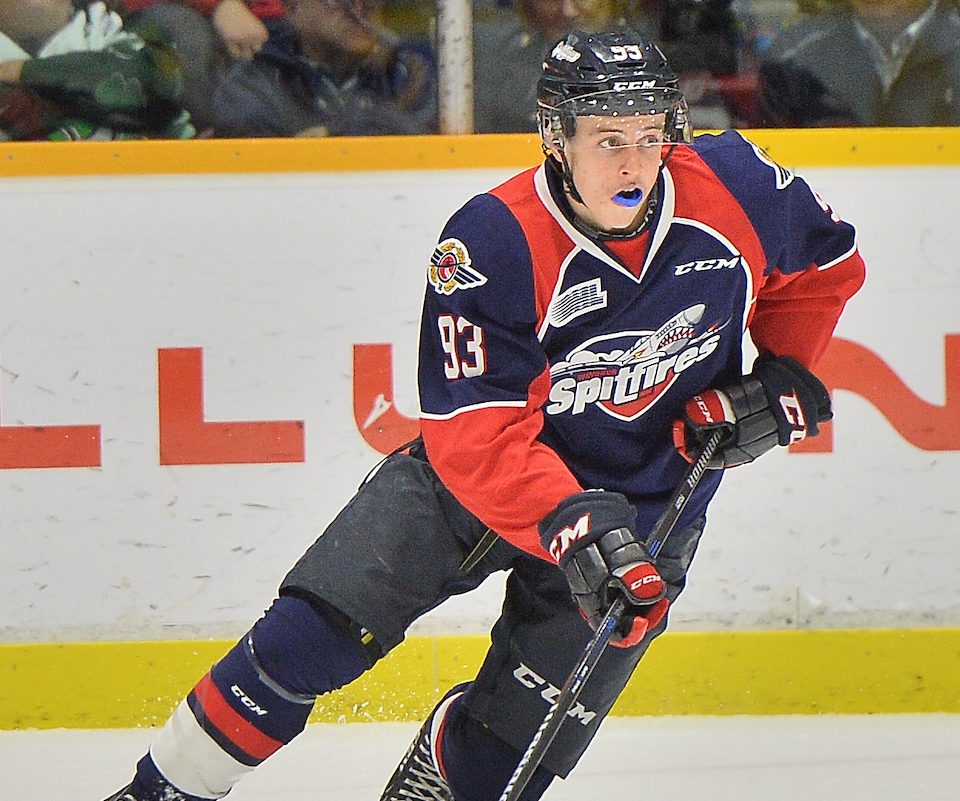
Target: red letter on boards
(378, 420)
(186, 438)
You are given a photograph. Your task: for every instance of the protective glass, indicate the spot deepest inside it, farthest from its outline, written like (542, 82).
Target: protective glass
(618, 133)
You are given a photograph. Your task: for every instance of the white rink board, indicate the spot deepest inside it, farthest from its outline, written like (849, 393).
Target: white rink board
(276, 278)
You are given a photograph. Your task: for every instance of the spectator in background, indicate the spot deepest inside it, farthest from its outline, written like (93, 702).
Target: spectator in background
(510, 43)
(207, 34)
(703, 40)
(297, 67)
(866, 62)
(238, 23)
(760, 22)
(71, 71)
(697, 35)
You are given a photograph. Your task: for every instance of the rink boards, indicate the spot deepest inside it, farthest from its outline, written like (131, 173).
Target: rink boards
(204, 346)
(120, 685)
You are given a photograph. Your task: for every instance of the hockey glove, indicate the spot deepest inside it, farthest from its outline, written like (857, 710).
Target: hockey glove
(591, 537)
(779, 403)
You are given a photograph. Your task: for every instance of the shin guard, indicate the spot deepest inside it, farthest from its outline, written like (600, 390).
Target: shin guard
(255, 700)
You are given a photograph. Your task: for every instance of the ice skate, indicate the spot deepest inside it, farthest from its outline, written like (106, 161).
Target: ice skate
(129, 794)
(126, 794)
(418, 777)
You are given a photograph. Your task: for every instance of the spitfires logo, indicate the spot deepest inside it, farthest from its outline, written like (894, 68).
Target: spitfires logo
(450, 268)
(626, 373)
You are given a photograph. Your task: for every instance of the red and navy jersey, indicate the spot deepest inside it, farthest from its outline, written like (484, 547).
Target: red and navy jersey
(552, 361)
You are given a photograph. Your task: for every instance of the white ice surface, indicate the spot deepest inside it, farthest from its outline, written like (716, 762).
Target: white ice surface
(797, 758)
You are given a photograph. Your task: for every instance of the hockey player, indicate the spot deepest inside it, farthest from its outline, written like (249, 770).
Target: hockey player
(583, 323)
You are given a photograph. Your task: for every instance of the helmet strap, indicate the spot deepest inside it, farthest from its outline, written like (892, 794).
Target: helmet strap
(557, 177)
(567, 175)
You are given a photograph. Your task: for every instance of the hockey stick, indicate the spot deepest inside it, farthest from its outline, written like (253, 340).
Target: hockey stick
(564, 702)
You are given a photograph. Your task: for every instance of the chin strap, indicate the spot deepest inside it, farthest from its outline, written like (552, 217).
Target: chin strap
(565, 173)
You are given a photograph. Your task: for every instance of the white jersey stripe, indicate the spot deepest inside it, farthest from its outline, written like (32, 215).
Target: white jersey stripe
(472, 407)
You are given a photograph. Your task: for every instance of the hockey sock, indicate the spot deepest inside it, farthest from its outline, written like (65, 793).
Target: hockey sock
(255, 700)
(477, 765)
(298, 647)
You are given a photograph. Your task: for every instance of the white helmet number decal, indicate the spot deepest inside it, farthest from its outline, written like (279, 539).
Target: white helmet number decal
(626, 52)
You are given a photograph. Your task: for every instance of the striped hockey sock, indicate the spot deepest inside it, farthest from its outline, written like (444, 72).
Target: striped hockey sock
(233, 719)
(241, 712)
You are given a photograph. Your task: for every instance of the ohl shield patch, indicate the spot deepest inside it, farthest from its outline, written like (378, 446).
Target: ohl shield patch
(450, 268)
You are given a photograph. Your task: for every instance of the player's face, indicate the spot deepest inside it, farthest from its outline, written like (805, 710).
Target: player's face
(615, 162)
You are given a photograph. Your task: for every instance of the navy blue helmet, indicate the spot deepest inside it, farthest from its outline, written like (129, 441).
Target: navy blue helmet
(608, 75)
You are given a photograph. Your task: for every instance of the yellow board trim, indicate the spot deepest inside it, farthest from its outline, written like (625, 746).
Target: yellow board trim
(842, 147)
(856, 671)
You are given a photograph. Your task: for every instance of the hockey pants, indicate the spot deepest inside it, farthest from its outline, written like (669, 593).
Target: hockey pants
(404, 544)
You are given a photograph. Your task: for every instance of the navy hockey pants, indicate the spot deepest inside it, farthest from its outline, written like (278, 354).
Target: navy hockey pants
(404, 544)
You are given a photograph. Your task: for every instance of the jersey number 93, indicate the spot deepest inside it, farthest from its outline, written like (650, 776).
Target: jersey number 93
(462, 343)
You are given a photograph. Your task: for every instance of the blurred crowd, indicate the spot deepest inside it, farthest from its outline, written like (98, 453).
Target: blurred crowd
(72, 69)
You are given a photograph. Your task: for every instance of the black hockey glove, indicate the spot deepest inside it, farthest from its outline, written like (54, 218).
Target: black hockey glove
(780, 402)
(591, 537)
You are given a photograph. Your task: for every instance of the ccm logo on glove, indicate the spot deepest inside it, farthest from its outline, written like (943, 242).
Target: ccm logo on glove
(793, 412)
(643, 581)
(564, 538)
(591, 535)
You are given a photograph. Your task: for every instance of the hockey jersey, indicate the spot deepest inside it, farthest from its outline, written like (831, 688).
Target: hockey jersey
(552, 361)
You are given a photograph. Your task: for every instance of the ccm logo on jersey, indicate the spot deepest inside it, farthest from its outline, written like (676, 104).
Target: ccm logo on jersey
(704, 265)
(450, 268)
(794, 414)
(564, 538)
